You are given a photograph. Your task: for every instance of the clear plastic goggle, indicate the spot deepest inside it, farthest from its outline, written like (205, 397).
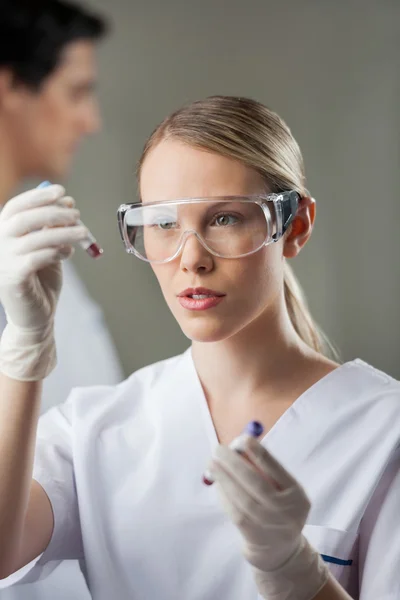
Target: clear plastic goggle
(227, 227)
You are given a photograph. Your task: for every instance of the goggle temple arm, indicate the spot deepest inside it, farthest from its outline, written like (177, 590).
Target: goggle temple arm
(289, 204)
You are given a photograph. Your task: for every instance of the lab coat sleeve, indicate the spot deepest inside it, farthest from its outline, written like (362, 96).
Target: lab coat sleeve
(379, 543)
(53, 469)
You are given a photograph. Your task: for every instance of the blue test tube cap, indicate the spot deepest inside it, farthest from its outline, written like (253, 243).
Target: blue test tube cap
(254, 428)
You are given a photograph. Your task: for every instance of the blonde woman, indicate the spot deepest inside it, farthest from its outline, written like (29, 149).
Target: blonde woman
(310, 509)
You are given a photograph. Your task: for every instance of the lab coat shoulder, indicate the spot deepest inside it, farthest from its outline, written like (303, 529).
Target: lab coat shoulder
(355, 410)
(376, 404)
(110, 402)
(362, 395)
(362, 380)
(359, 415)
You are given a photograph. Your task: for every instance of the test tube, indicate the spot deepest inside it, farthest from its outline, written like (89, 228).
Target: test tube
(90, 244)
(253, 429)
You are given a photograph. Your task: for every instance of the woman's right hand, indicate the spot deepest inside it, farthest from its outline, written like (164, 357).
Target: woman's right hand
(37, 231)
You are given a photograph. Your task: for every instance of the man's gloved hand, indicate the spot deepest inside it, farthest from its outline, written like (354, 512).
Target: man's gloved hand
(270, 509)
(37, 230)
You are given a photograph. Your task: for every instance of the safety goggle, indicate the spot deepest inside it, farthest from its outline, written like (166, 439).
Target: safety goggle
(227, 227)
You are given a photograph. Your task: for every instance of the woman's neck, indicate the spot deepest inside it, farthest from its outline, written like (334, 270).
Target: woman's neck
(264, 367)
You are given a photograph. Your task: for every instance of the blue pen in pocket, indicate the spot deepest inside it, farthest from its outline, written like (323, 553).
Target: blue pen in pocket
(90, 244)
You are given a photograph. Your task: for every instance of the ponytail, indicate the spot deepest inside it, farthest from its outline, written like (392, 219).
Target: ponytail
(301, 318)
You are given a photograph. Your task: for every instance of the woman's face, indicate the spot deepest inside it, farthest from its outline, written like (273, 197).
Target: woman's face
(247, 287)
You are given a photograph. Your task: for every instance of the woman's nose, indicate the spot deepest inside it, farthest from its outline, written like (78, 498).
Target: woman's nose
(195, 257)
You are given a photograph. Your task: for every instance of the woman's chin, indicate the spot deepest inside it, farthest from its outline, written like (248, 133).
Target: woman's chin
(205, 332)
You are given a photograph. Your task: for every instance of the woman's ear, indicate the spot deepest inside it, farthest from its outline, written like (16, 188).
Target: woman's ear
(301, 228)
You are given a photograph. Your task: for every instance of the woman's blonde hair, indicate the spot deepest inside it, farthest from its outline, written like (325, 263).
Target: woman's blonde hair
(246, 130)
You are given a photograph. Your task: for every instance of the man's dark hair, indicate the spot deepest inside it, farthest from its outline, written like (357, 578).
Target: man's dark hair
(34, 33)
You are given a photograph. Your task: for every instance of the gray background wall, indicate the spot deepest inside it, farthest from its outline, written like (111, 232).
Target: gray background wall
(331, 69)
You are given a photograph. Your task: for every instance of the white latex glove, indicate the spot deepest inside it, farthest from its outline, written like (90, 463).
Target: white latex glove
(270, 509)
(37, 230)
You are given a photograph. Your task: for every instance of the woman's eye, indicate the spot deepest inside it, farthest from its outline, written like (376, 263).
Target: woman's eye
(166, 225)
(225, 220)
(163, 224)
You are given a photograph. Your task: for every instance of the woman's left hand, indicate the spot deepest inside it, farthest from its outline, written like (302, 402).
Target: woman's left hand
(270, 509)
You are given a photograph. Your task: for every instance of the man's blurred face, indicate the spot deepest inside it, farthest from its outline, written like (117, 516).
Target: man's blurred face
(44, 127)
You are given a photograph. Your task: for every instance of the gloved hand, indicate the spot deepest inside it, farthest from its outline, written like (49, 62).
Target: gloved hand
(37, 230)
(270, 509)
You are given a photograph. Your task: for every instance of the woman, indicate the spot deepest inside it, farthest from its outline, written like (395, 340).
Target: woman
(117, 472)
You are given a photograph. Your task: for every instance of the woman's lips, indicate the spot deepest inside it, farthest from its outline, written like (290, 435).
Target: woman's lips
(199, 298)
(199, 303)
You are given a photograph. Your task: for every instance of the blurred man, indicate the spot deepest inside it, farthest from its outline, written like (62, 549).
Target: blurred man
(47, 106)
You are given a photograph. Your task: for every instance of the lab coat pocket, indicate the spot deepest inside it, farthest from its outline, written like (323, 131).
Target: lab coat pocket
(338, 548)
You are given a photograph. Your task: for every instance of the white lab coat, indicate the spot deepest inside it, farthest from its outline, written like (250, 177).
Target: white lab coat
(122, 467)
(86, 356)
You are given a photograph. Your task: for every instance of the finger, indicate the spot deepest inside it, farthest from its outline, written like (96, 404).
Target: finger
(244, 473)
(268, 464)
(32, 199)
(240, 444)
(38, 218)
(65, 252)
(51, 238)
(34, 262)
(241, 508)
(264, 529)
(66, 201)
